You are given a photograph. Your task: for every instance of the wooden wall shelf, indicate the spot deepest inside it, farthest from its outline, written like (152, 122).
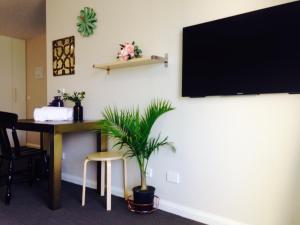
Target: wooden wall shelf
(133, 62)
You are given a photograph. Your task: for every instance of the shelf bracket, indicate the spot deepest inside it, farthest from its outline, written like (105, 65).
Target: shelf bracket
(166, 60)
(108, 70)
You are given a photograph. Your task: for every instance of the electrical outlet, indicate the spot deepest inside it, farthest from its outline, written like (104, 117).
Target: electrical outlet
(149, 172)
(173, 177)
(63, 156)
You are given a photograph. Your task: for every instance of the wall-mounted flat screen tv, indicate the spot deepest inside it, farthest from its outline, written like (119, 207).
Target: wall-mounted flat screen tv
(252, 53)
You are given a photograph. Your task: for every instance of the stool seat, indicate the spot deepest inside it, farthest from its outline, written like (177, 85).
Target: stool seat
(104, 156)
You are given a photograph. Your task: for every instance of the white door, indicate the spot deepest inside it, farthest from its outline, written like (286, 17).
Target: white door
(19, 82)
(19, 78)
(13, 78)
(5, 74)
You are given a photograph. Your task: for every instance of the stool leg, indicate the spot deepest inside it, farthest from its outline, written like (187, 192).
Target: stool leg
(102, 178)
(125, 178)
(84, 182)
(108, 187)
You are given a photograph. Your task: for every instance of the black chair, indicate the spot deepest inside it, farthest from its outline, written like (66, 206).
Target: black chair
(17, 153)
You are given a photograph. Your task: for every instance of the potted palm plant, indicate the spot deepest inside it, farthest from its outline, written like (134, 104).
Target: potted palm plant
(131, 131)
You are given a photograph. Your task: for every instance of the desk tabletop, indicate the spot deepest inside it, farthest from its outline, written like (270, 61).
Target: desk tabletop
(57, 126)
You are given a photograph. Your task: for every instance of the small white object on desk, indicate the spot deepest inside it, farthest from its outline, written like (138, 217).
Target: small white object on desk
(53, 113)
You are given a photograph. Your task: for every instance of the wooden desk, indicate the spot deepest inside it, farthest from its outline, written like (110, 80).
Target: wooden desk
(56, 129)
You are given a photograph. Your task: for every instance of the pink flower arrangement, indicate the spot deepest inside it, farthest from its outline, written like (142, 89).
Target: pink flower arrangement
(129, 51)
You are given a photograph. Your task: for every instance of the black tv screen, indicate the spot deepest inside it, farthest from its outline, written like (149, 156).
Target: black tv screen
(252, 53)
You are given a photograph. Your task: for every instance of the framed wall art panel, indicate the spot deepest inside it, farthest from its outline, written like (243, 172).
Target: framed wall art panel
(64, 56)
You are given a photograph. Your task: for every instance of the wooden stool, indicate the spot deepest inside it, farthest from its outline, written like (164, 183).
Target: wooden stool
(105, 157)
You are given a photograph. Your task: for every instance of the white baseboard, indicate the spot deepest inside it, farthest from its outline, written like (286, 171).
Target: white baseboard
(78, 180)
(194, 214)
(168, 206)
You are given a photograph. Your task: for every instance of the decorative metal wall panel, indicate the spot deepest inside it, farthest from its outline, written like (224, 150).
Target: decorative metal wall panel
(64, 56)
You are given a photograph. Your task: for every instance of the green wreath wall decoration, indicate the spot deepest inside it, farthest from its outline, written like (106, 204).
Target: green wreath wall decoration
(86, 21)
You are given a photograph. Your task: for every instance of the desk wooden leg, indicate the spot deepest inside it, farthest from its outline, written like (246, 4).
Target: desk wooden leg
(42, 141)
(55, 170)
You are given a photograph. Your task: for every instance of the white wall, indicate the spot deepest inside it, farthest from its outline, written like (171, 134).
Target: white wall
(238, 157)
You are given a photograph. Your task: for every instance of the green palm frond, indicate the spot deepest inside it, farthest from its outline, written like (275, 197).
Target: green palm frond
(131, 130)
(152, 113)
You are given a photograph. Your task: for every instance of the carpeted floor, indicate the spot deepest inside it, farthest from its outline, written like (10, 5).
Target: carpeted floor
(28, 207)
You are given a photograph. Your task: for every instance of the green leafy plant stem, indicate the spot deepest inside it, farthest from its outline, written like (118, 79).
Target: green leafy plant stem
(76, 97)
